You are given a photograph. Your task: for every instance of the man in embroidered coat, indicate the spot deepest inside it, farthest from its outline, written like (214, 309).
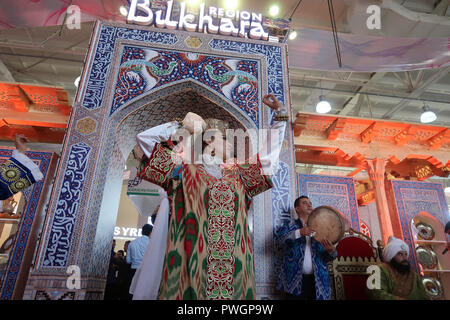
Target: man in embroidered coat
(209, 251)
(304, 272)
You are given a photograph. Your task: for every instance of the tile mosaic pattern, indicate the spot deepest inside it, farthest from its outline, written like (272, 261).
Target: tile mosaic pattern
(108, 36)
(144, 69)
(62, 226)
(43, 295)
(7, 284)
(272, 54)
(281, 205)
(337, 192)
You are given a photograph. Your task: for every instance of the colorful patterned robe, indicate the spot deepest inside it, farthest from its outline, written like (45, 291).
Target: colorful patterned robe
(209, 251)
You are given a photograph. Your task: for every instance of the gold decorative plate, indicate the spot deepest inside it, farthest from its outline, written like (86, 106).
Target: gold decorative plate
(426, 232)
(433, 287)
(427, 258)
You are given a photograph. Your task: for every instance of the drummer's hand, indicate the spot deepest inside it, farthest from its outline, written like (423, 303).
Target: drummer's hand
(327, 245)
(306, 231)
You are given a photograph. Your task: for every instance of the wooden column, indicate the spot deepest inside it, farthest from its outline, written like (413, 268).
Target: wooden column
(376, 169)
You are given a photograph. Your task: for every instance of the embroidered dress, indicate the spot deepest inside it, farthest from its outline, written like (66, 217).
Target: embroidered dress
(209, 252)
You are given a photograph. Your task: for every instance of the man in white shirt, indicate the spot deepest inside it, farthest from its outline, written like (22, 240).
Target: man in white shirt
(136, 249)
(304, 273)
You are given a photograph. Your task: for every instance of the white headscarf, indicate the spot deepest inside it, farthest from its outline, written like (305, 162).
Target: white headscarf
(393, 247)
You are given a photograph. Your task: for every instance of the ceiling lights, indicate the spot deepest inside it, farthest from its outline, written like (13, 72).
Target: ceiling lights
(292, 35)
(123, 11)
(77, 81)
(427, 115)
(323, 106)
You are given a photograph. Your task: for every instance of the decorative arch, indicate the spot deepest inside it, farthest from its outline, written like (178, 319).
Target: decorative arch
(83, 203)
(140, 108)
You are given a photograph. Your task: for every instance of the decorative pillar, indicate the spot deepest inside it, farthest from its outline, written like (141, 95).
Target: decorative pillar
(376, 169)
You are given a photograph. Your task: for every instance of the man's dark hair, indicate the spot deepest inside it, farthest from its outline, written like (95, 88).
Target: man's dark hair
(147, 229)
(297, 201)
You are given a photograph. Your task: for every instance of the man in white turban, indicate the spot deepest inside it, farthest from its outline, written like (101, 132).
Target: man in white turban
(398, 281)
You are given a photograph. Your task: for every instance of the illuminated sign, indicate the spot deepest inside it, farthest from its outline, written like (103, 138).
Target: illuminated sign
(211, 20)
(127, 232)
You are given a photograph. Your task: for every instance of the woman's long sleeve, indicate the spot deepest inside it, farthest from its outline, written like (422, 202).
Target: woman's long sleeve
(270, 152)
(149, 138)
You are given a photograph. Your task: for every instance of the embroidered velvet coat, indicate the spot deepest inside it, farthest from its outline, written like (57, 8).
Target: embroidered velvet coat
(290, 277)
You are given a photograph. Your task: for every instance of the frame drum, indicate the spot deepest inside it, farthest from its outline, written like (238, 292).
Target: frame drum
(328, 223)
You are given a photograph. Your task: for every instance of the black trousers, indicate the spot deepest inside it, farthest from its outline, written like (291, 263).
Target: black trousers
(308, 289)
(126, 294)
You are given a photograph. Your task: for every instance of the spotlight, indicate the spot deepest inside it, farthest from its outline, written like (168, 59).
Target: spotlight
(274, 10)
(77, 81)
(323, 106)
(293, 35)
(123, 11)
(427, 115)
(231, 4)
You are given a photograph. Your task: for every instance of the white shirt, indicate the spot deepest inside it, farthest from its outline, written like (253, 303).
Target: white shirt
(136, 250)
(307, 259)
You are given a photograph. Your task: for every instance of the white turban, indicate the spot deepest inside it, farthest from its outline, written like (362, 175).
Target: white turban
(393, 247)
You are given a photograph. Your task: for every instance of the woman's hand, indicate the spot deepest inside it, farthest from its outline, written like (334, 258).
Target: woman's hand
(191, 119)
